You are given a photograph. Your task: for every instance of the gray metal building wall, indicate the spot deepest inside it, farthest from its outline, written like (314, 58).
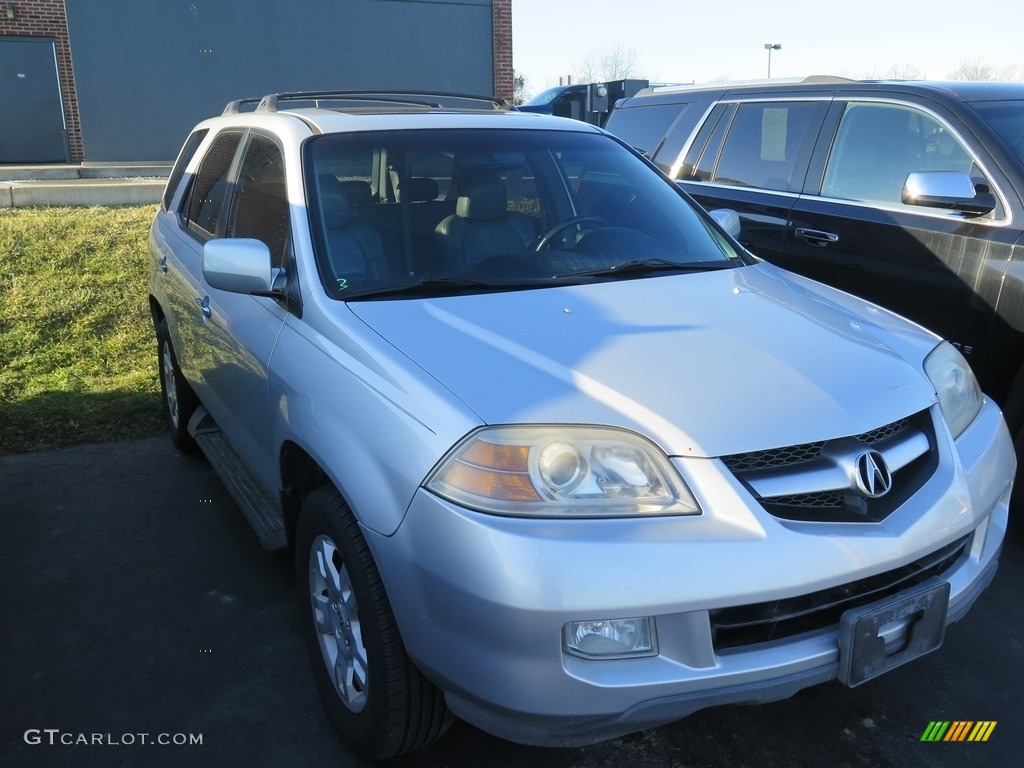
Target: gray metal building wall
(148, 70)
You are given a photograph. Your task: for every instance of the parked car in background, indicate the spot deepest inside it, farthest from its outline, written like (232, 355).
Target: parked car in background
(910, 194)
(589, 102)
(550, 450)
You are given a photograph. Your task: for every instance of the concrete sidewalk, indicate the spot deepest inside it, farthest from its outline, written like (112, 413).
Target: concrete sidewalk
(23, 186)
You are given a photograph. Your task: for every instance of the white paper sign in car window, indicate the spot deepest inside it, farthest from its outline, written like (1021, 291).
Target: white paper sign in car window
(773, 133)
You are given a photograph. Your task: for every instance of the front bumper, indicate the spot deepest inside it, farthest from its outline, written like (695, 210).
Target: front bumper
(481, 600)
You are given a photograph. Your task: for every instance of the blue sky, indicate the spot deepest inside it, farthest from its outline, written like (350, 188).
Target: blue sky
(687, 41)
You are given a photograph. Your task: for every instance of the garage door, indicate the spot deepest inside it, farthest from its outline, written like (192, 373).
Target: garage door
(32, 117)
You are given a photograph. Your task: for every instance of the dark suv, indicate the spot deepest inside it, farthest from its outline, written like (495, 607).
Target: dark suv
(910, 194)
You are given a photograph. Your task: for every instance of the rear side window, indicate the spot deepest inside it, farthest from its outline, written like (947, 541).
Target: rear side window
(207, 199)
(761, 147)
(644, 128)
(184, 158)
(878, 145)
(259, 208)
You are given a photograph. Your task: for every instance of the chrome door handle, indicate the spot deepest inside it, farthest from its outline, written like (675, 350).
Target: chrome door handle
(204, 304)
(817, 237)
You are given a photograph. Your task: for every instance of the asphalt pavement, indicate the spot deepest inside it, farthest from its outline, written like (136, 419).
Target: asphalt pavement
(142, 625)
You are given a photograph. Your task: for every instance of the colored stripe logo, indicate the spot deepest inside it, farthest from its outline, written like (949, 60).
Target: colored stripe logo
(958, 730)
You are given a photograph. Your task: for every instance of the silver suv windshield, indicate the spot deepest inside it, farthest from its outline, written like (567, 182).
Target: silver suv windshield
(447, 211)
(1006, 119)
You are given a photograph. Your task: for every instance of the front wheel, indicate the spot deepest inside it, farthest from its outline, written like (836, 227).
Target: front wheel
(376, 698)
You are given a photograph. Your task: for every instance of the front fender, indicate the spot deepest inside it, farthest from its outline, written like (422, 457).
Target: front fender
(376, 431)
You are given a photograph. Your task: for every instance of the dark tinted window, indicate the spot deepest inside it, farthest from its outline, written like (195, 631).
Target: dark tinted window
(259, 208)
(762, 145)
(184, 157)
(1006, 118)
(701, 162)
(643, 128)
(207, 199)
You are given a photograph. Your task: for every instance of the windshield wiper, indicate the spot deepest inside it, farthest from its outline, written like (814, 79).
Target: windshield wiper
(651, 266)
(443, 286)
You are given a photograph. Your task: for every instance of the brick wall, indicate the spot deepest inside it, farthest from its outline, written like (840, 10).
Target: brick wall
(47, 18)
(501, 16)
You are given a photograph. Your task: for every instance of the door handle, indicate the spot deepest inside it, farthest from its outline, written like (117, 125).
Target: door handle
(163, 264)
(204, 304)
(817, 237)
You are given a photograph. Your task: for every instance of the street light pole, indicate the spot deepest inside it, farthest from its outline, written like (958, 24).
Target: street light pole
(771, 47)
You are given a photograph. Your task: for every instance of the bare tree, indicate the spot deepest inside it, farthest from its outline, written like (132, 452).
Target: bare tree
(618, 63)
(905, 71)
(587, 69)
(613, 62)
(974, 69)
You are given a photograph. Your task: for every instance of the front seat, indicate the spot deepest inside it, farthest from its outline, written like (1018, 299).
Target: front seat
(353, 245)
(482, 225)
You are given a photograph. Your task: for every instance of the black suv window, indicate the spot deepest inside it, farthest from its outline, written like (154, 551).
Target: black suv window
(208, 192)
(646, 127)
(878, 145)
(259, 208)
(762, 145)
(207, 198)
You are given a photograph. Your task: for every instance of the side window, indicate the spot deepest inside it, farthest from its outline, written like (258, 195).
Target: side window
(645, 128)
(762, 145)
(878, 145)
(208, 190)
(259, 207)
(184, 157)
(700, 160)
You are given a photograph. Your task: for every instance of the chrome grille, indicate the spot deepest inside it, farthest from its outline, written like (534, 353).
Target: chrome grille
(778, 457)
(877, 435)
(818, 481)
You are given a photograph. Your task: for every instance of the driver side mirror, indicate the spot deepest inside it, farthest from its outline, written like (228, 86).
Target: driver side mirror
(952, 190)
(241, 265)
(728, 220)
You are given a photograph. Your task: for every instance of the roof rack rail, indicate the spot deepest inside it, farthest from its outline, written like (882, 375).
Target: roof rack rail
(417, 99)
(234, 107)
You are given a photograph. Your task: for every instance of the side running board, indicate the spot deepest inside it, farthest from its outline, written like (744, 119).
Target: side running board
(260, 510)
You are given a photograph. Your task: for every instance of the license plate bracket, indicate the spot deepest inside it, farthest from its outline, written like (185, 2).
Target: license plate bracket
(870, 638)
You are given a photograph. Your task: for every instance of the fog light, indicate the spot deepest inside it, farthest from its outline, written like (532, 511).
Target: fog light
(610, 639)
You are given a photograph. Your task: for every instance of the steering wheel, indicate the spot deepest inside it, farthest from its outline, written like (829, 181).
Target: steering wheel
(548, 236)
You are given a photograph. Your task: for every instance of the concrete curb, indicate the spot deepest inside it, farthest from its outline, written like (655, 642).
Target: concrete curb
(78, 192)
(65, 172)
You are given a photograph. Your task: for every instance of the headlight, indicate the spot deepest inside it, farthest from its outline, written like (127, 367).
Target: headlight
(960, 396)
(556, 471)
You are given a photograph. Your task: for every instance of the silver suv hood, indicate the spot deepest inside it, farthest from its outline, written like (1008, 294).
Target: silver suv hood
(706, 364)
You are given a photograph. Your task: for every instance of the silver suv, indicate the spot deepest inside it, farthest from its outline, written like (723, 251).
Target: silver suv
(551, 450)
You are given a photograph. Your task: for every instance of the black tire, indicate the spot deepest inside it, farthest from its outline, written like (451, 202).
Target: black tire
(1016, 521)
(178, 400)
(383, 706)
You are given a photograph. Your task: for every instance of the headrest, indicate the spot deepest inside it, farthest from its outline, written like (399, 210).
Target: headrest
(421, 190)
(358, 192)
(483, 198)
(334, 205)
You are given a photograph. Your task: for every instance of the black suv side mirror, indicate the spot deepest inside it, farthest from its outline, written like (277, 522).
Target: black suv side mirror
(952, 190)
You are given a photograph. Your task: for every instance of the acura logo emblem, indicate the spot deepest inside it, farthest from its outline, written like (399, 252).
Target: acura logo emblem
(873, 477)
